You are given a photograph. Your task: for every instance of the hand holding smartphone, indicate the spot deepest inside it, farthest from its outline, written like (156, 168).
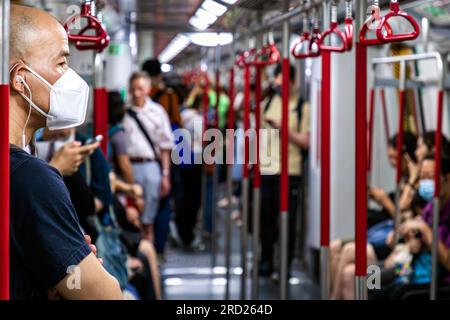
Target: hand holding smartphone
(96, 139)
(90, 145)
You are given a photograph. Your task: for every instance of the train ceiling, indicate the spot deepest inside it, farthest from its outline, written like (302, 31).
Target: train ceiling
(167, 18)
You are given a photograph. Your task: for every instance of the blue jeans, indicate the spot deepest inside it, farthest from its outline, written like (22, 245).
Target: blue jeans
(161, 226)
(207, 216)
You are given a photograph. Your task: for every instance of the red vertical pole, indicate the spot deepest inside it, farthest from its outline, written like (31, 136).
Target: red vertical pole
(4, 192)
(370, 132)
(361, 160)
(246, 119)
(325, 150)
(438, 142)
(400, 138)
(230, 149)
(436, 196)
(385, 115)
(230, 161)
(101, 116)
(245, 183)
(205, 103)
(284, 181)
(4, 152)
(216, 120)
(258, 94)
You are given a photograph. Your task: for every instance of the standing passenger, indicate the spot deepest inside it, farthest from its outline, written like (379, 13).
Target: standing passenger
(150, 141)
(47, 244)
(270, 172)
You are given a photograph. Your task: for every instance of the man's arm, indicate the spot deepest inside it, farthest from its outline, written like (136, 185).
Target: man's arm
(95, 283)
(165, 181)
(126, 169)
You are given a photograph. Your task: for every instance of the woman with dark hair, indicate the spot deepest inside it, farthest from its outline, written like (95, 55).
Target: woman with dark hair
(380, 222)
(385, 200)
(426, 144)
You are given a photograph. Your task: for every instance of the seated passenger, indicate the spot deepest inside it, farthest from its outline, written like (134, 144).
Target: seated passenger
(380, 223)
(410, 263)
(47, 244)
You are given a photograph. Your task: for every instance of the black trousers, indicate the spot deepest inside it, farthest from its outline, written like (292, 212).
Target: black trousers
(188, 201)
(270, 211)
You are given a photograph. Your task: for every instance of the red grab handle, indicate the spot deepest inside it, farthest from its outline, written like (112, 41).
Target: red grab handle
(98, 42)
(333, 30)
(266, 56)
(313, 40)
(304, 38)
(375, 41)
(244, 59)
(349, 29)
(397, 12)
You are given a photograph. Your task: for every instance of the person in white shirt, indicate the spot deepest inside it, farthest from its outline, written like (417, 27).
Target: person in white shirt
(150, 142)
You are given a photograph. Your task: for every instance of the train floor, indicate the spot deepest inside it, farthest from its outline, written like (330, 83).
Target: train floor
(189, 275)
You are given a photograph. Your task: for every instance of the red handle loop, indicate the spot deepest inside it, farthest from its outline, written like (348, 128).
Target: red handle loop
(244, 59)
(397, 12)
(314, 44)
(349, 29)
(98, 42)
(374, 41)
(342, 37)
(268, 55)
(304, 38)
(311, 52)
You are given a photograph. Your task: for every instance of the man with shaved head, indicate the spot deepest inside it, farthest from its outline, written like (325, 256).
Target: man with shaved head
(49, 252)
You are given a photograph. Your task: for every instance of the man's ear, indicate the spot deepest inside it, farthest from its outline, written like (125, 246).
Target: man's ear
(17, 78)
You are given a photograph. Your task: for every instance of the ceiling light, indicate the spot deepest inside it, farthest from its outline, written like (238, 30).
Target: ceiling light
(198, 23)
(214, 7)
(206, 16)
(229, 1)
(178, 44)
(165, 67)
(211, 39)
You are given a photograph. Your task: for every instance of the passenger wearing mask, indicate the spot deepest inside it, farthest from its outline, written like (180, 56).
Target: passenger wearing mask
(299, 122)
(410, 261)
(380, 222)
(47, 243)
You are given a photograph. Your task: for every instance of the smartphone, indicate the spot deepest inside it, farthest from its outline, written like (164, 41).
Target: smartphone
(96, 139)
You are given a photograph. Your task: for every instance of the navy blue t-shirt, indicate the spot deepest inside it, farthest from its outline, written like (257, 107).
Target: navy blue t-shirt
(46, 238)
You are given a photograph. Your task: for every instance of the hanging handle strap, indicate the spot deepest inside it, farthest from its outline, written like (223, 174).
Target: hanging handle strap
(83, 41)
(397, 12)
(348, 24)
(244, 59)
(372, 22)
(333, 30)
(267, 55)
(307, 46)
